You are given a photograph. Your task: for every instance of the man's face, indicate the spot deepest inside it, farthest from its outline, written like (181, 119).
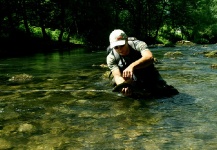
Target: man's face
(122, 49)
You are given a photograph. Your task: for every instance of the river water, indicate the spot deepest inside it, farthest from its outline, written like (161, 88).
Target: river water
(65, 102)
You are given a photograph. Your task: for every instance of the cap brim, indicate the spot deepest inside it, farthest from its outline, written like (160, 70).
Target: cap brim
(117, 43)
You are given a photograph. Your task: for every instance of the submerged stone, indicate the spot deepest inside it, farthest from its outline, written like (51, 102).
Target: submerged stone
(106, 75)
(101, 65)
(211, 54)
(21, 78)
(172, 54)
(214, 66)
(4, 144)
(185, 43)
(26, 128)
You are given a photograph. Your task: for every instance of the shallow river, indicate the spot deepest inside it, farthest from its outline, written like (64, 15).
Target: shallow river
(65, 102)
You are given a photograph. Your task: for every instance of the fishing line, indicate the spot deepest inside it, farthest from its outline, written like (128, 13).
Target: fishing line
(52, 90)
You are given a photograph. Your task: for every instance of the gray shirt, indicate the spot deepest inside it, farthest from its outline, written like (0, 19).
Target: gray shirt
(136, 45)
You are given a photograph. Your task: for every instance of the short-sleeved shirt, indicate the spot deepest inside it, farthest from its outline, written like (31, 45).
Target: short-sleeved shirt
(112, 61)
(148, 76)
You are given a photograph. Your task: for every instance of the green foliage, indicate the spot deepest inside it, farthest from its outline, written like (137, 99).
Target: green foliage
(168, 35)
(54, 34)
(213, 38)
(124, 17)
(90, 22)
(36, 31)
(77, 39)
(206, 35)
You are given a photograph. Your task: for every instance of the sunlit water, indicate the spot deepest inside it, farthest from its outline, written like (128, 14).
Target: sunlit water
(69, 105)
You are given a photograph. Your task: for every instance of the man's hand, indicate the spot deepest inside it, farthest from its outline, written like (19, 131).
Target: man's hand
(146, 60)
(126, 91)
(128, 72)
(124, 88)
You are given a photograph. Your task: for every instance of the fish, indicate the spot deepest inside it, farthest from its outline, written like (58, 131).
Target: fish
(136, 92)
(119, 87)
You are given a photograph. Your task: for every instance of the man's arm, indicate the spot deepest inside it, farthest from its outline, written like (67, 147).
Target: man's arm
(119, 79)
(117, 76)
(111, 62)
(146, 60)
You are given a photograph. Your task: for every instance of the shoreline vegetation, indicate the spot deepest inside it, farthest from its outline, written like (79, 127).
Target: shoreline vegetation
(29, 27)
(30, 48)
(20, 44)
(23, 45)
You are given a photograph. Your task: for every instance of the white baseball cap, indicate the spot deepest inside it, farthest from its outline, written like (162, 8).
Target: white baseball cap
(117, 37)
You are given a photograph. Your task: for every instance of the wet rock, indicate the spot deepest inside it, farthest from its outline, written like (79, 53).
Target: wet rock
(4, 144)
(9, 129)
(81, 101)
(26, 128)
(211, 54)
(184, 42)
(9, 114)
(101, 65)
(172, 54)
(21, 78)
(106, 75)
(47, 142)
(214, 66)
(156, 61)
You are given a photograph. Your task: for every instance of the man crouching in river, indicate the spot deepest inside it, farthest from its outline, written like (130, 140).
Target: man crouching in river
(131, 64)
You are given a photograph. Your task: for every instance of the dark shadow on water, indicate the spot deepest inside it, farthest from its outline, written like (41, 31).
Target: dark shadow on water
(183, 99)
(180, 99)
